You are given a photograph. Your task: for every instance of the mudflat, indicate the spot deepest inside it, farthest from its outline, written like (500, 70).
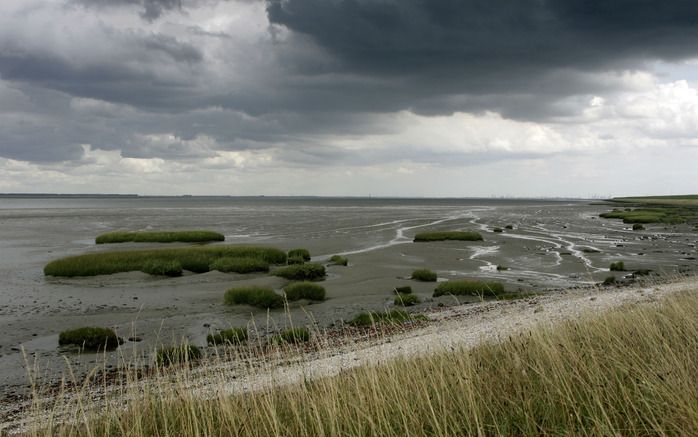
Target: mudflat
(550, 246)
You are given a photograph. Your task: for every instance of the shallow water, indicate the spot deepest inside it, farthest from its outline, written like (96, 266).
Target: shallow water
(548, 248)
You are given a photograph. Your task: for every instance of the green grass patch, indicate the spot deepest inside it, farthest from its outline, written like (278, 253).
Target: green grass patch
(498, 230)
(301, 272)
(469, 287)
(159, 237)
(172, 355)
(292, 336)
(194, 258)
(228, 336)
(666, 215)
(163, 267)
(510, 227)
(406, 300)
(618, 266)
(304, 290)
(90, 338)
(339, 260)
(501, 268)
(254, 295)
(638, 227)
(424, 275)
(239, 265)
(610, 280)
(447, 235)
(402, 290)
(304, 254)
(379, 317)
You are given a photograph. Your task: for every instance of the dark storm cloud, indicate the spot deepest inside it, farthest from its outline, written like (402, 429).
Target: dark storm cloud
(497, 53)
(447, 37)
(149, 9)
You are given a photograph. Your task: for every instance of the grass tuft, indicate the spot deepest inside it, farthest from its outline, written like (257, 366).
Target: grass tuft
(304, 254)
(254, 295)
(304, 290)
(610, 280)
(159, 237)
(379, 317)
(195, 259)
(469, 287)
(618, 266)
(638, 227)
(424, 275)
(162, 267)
(406, 300)
(291, 336)
(90, 338)
(228, 336)
(339, 260)
(301, 272)
(402, 290)
(447, 235)
(239, 265)
(172, 355)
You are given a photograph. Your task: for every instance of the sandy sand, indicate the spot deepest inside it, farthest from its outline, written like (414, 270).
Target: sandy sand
(462, 326)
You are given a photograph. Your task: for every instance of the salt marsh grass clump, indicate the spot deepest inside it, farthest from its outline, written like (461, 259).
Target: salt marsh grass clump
(195, 259)
(239, 265)
(379, 317)
(172, 355)
(162, 267)
(402, 290)
(447, 235)
(424, 275)
(303, 254)
(254, 295)
(90, 338)
(301, 272)
(228, 336)
(618, 266)
(159, 237)
(304, 290)
(469, 287)
(339, 260)
(406, 300)
(291, 336)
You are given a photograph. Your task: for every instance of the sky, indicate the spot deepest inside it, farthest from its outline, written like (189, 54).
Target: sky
(440, 98)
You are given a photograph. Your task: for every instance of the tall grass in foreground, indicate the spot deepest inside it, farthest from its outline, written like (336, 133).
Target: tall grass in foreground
(631, 371)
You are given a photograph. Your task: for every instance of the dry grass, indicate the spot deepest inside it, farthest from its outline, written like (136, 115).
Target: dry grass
(628, 371)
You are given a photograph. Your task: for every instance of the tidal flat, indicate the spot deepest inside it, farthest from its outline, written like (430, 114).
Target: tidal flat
(546, 246)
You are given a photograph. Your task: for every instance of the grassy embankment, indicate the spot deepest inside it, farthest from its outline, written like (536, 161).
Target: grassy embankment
(195, 259)
(656, 209)
(616, 373)
(193, 236)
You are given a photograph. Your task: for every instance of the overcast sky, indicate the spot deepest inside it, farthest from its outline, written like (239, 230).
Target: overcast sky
(349, 97)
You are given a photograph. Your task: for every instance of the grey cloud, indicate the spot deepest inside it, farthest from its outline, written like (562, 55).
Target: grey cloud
(149, 9)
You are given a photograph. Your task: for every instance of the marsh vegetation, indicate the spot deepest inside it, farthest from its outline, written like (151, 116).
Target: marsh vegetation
(447, 235)
(159, 237)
